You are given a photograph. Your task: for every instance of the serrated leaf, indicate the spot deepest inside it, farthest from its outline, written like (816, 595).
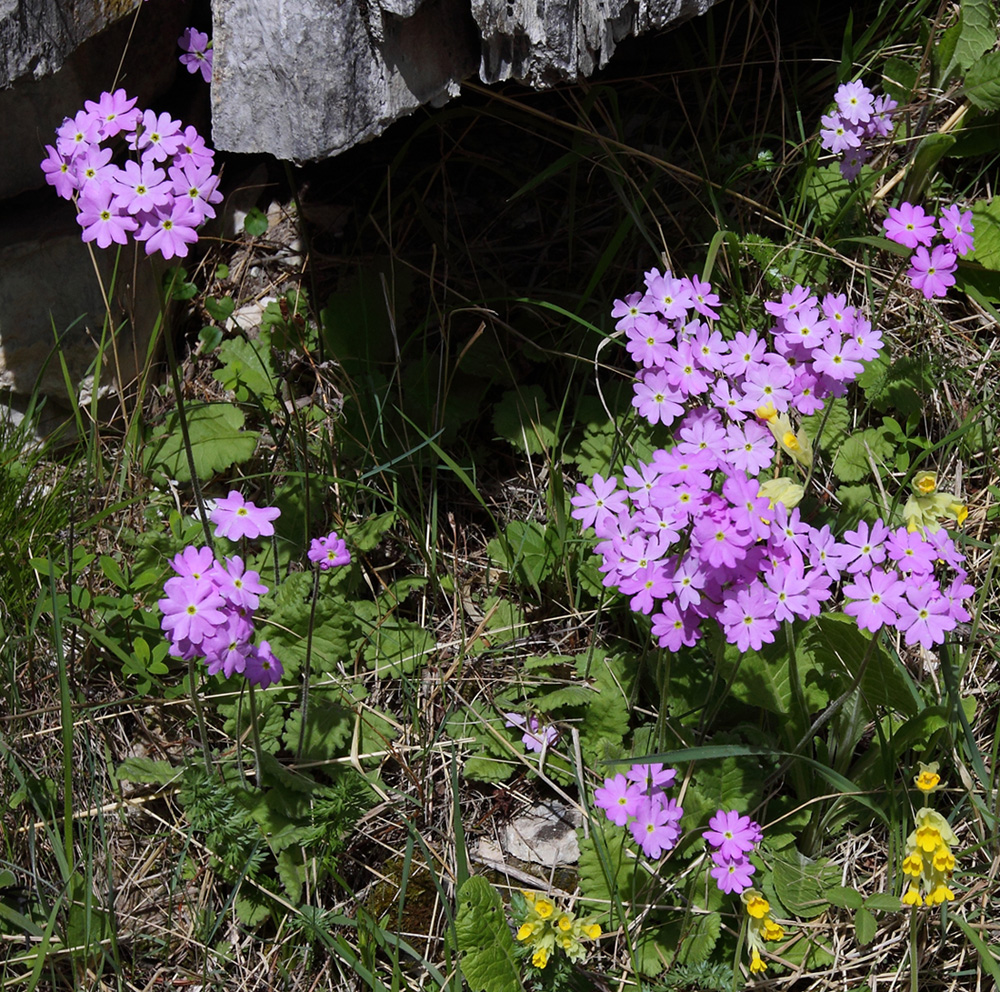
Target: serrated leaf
(865, 926)
(252, 907)
(149, 770)
(986, 220)
(525, 420)
(982, 82)
(978, 32)
(397, 647)
(485, 940)
(246, 369)
(802, 884)
(606, 866)
(328, 727)
(366, 535)
(856, 455)
(291, 867)
(834, 420)
(218, 441)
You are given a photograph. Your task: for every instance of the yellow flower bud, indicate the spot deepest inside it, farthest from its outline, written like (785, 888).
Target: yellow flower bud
(757, 964)
(913, 865)
(540, 958)
(912, 897)
(944, 860)
(758, 907)
(591, 931)
(565, 922)
(772, 931)
(941, 894)
(790, 441)
(925, 482)
(544, 908)
(525, 931)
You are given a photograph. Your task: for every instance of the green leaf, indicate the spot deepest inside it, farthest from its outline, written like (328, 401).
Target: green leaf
(835, 421)
(210, 337)
(177, 285)
(328, 727)
(986, 219)
(397, 647)
(247, 370)
(366, 535)
(485, 940)
(844, 897)
(982, 82)
(899, 79)
(883, 902)
(802, 884)
(149, 770)
(978, 32)
(255, 222)
(220, 309)
(533, 551)
(856, 455)
(525, 420)
(218, 441)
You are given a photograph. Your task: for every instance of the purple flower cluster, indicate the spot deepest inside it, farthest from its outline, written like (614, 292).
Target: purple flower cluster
(732, 838)
(197, 55)
(905, 579)
(329, 552)
(860, 117)
(208, 605)
(638, 800)
(691, 536)
(208, 612)
(536, 734)
(933, 271)
(160, 196)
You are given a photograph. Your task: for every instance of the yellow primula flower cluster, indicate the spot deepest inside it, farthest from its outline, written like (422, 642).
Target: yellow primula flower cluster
(926, 507)
(929, 861)
(760, 927)
(545, 928)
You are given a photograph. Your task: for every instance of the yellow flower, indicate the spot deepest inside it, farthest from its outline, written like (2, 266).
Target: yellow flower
(925, 482)
(757, 964)
(928, 780)
(540, 958)
(544, 908)
(928, 839)
(591, 931)
(767, 412)
(913, 865)
(758, 907)
(912, 897)
(772, 931)
(525, 931)
(941, 894)
(944, 860)
(565, 922)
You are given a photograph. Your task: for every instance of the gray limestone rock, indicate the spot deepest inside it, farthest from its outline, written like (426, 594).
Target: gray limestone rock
(308, 79)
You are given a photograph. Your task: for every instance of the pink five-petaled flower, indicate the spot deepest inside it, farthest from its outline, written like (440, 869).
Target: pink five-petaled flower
(925, 616)
(157, 137)
(731, 875)
(855, 101)
(60, 173)
(957, 227)
(262, 668)
(595, 507)
(114, 112)
(192, 609)
(536, 735)
(748, 618)
(651, 778)
(234, 517)
(731, 834)
(329, 552)
(241, 589)
(619, 799)
(197, 55)
(908, 225)
(170, 229)
(878, 596)
(655, 827)
(142, 187)
(101, 220)
(932, 273)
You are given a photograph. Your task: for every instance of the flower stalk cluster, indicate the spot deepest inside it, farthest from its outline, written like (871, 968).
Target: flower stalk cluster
(760, 928)
(706, 531)
(850, 130)
(930, 861)
(932, 272)
(545, 929)
(638, 800)
(163, 193)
